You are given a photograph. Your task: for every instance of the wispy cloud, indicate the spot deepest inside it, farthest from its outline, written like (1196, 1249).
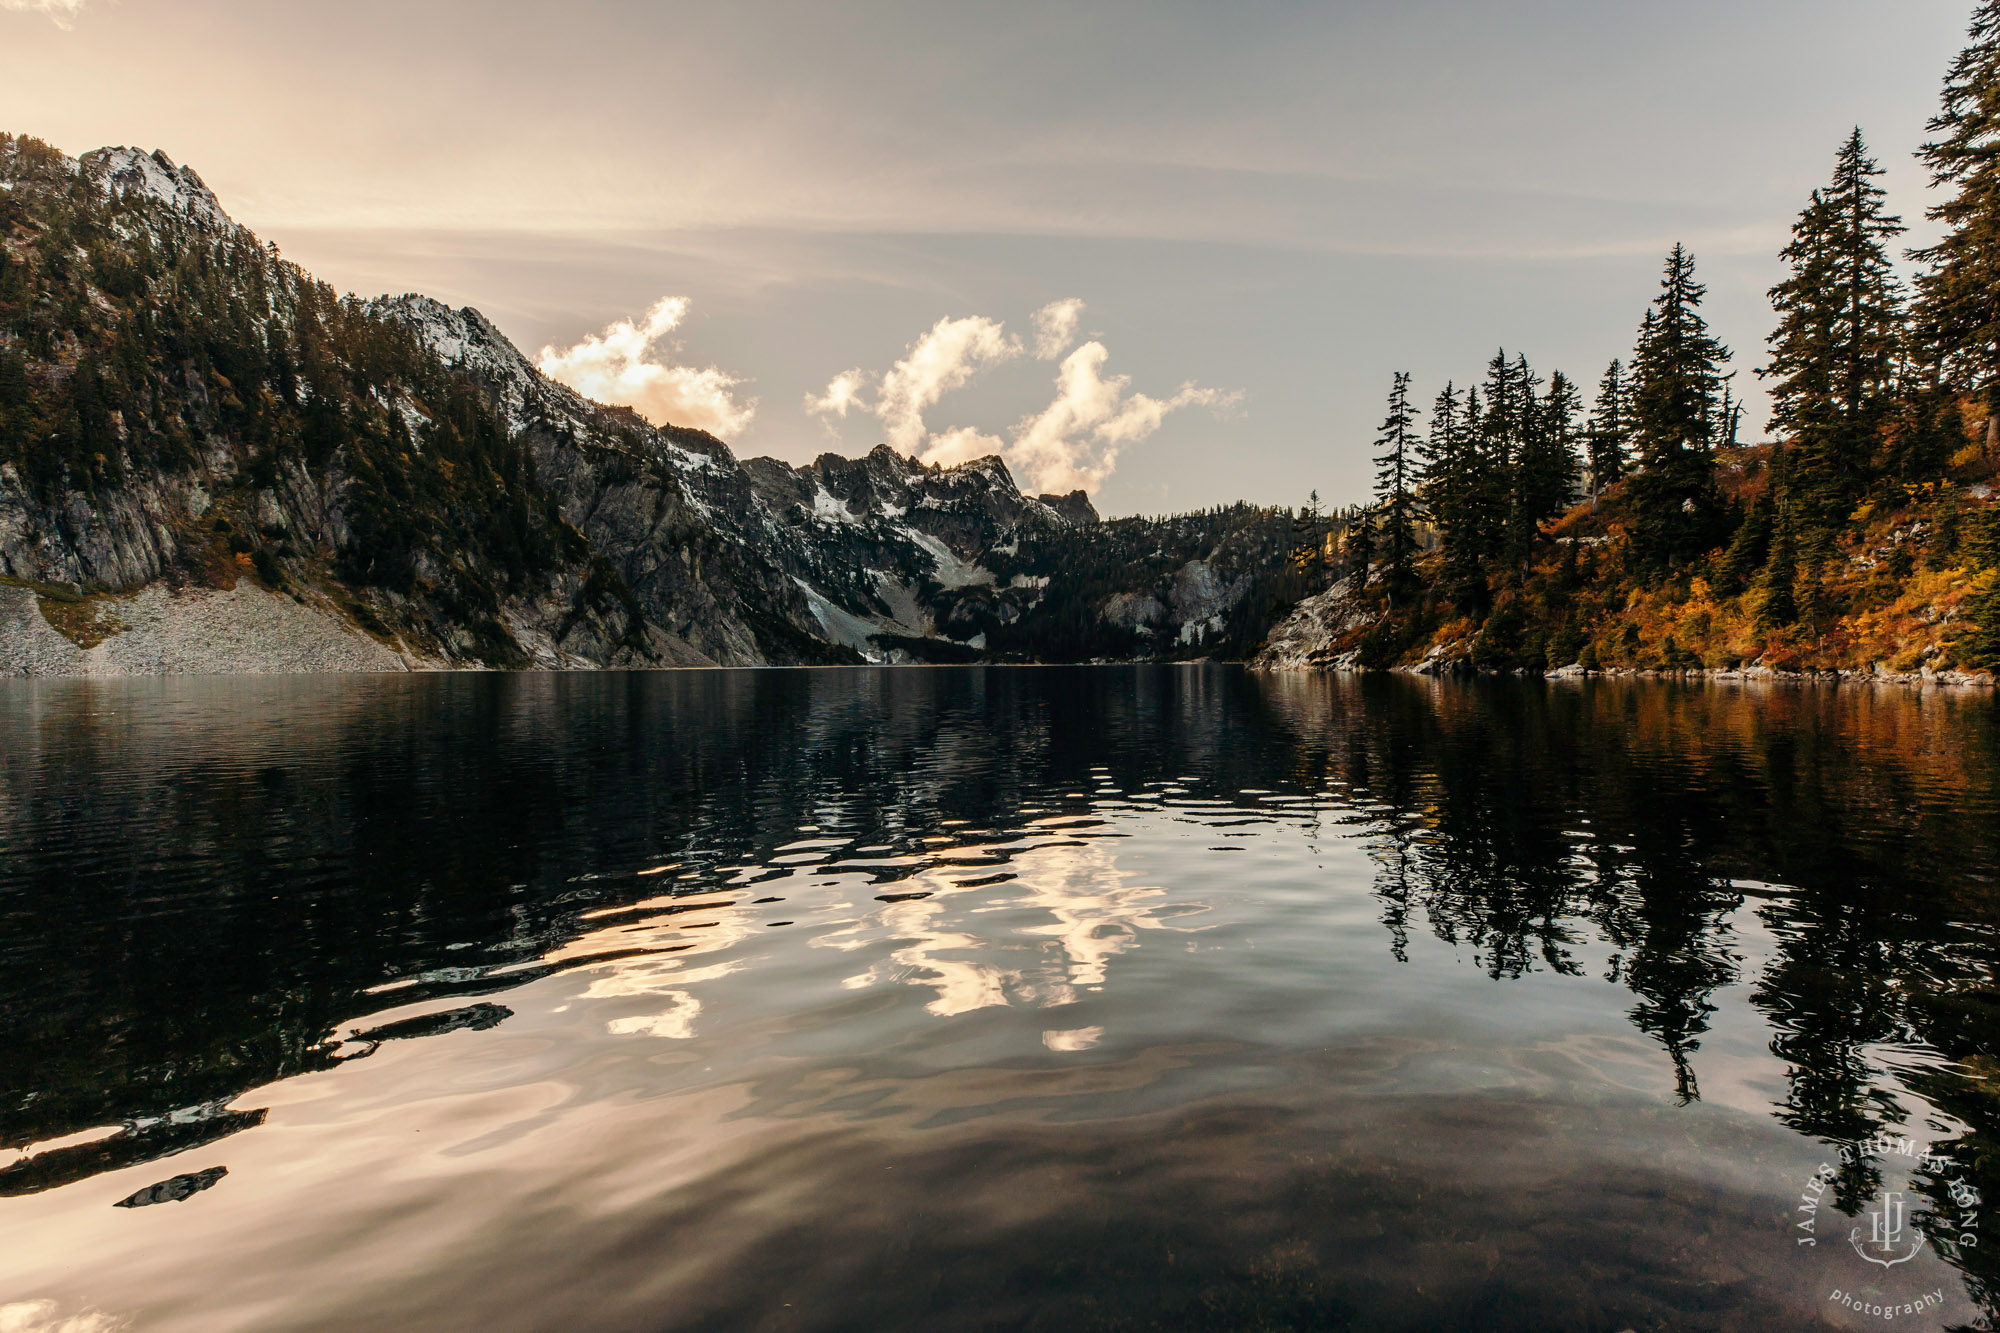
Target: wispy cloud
(61, 12)
(621, 365)
(1073, 443)
(1055, 327)
(45, 1316)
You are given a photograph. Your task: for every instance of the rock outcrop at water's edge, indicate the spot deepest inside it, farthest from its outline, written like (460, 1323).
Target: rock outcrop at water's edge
(1322, 631)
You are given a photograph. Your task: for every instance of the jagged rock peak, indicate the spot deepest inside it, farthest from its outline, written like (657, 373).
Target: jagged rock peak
(1074, 509)
(466, 339)
(462, 337)
(888, 484)
(129, 170)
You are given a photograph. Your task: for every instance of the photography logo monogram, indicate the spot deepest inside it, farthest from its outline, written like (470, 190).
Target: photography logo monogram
(1886, 1235)
(1887, 1228)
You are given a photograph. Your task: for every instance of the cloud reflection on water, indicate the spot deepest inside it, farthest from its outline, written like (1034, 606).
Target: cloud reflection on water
(1437, 1043)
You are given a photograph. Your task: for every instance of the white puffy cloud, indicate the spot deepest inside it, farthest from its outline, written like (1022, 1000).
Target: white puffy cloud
(945, 358)
(942, 360)
(1075, 441)
(620, 366)
(1072, 443)
(1055, 327)
(61, 12)
(961, 444)
(843, 391)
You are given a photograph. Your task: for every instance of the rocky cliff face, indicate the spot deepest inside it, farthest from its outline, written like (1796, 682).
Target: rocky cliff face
(1324, 630)
(397, 470)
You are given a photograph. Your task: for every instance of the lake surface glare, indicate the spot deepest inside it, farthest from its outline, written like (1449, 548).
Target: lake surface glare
(968, 998)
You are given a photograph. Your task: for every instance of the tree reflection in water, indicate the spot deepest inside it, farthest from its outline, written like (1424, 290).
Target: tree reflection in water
(206, 887)
(1513, 817)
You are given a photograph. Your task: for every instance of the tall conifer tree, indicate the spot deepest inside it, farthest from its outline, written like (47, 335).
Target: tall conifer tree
(1676, 373)
(1549, 481)
(1396, 490)
(1929, 427)
(1840, 326)
(1959, 293)
(1437, 464)
(1448, 472)
(1359, 546)
(1478, 484)
(1609, 429)
(1509, 413)
(1544, 471)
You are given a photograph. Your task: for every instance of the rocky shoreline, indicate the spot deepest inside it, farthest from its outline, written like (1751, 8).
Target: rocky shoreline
(159, 630)
(1926, 678)
(1323, 633)
(1761, 675)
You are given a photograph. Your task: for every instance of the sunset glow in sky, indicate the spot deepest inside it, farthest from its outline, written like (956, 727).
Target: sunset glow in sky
(782, 221)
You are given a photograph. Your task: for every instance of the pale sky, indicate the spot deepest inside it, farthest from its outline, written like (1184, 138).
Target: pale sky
(1264, 208)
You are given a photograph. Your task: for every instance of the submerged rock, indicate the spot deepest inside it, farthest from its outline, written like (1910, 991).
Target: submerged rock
(174, 1190)
(472, 1018)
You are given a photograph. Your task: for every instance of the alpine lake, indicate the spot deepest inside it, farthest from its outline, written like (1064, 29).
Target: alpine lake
(996, 998)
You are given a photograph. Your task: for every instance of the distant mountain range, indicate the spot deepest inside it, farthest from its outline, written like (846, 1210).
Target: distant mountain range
(211, 462)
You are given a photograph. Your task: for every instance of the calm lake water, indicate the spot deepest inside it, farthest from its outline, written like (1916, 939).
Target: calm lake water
(1093, 998)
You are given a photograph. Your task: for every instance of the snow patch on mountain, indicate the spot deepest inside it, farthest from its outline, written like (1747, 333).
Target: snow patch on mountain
(131, 171)
(952, 572)
(468, 339)
(829, 510)
(842, 626)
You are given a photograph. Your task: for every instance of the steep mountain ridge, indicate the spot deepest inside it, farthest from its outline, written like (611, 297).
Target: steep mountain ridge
(133, 171)
(183, 411)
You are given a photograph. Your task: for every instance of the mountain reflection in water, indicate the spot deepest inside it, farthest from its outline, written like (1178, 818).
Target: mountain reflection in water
(1079, 998)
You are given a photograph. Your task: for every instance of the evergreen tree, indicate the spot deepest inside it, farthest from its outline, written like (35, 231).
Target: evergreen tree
(1751, 546)
(1809, 591)
(1545, 472)
(1928, 426)
(1475, 486)
(1309, 537)
(1775, 605)
(1447, 471)
(1675, 376)
(1982, 536)
(1509, 416)
(1608, 432)
(1731, 418)
(1840, 326)
(1978, 644)
(1435, 454)
(1959, 293)
(1941, 551)
(1360, 545)
(1396, 490)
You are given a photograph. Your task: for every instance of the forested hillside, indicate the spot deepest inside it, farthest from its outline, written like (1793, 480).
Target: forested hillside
(1516, 529)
